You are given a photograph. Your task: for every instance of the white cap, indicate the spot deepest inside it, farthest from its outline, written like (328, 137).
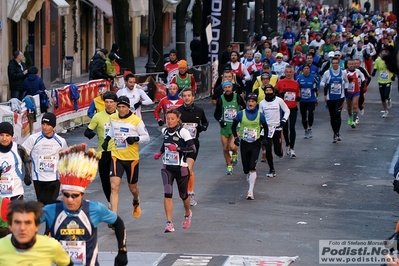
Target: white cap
(331, 54)
(264, 38)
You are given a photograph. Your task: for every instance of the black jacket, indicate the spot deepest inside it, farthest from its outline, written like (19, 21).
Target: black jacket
(16, 75)
(97, 67)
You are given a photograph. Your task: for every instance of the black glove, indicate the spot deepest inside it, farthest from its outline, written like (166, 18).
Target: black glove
(89, 133)
(137, 105)
(393, 78)
(105, 143)
(132, 140)
(396, 185)
(237, 141)
(27, 179)
(222, 123)
(121, 258)
(160, 123)
(282, 123)
(204, 127)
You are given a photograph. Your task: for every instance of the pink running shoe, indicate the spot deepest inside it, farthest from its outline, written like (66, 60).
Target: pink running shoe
(187, 221)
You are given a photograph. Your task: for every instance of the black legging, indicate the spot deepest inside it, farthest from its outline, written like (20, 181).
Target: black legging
(277, 142)
(104, 165)
(290, 136)
(249, 154)
(47, 191)
(335, 108)
(169, 173)
(361, 99)
(307, 113)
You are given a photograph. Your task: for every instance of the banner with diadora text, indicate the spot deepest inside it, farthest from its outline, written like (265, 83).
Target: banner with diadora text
(219, 14)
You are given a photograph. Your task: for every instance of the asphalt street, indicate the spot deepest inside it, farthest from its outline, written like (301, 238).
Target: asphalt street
(330, 191)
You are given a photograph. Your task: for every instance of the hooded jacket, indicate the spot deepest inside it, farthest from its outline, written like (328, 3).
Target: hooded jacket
(33, 85)
(97, 67)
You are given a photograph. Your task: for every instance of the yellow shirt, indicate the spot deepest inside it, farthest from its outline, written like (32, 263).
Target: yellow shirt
(258, 82)
(100, 122)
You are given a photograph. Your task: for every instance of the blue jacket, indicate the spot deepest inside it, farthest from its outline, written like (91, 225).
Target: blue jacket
(33, 85)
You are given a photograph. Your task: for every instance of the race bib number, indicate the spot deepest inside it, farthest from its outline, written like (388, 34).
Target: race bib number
(76, 250)
(270, 133)
(47, 164)
(336, 88)
(120, 141)
(229, 115)
(305, 93)
(6, 187)
(384, 75)
(351, 87)
(171, 157)
(289, 96)
(250, 134)
(192, 128)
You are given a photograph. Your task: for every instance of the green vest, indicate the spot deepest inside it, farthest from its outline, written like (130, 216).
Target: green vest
(229, 112)
(2, 223)
(183, 83)
(249, 130)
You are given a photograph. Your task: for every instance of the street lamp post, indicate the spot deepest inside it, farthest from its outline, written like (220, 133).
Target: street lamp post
(150, 66)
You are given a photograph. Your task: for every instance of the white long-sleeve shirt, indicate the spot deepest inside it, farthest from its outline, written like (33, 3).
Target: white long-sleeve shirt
(271, 111)
(135, 95)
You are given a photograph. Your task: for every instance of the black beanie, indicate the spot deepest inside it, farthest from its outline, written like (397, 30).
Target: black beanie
(50, 119)
(6, 127)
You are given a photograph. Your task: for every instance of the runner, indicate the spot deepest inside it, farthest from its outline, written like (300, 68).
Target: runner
(270, 107)
(100, 123)
(385, 78)
(128, 131)
(290, 92)
(183, 79)
(43, 148)
(74, 221)
(363, 89)
(309, 86)
(194, 120)
(249, 139)
(171, 101)
(177, 145)
(171, 68)
(279, 66)
(227, 107)
(335, 82)
(356, 81)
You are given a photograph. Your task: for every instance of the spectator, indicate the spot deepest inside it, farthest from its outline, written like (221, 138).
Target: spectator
(110, 65)
(118, 63)
(33, 84)
(97, 65)
(16, 75)
(195, 47)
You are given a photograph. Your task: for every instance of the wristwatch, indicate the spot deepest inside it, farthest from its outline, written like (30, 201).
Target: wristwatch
(123, 249)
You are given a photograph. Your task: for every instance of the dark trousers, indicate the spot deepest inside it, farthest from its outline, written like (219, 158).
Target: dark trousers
(104, 165)
(17, 94)
(335, 108)
(289, 128)
(47, 191)
(307, 113)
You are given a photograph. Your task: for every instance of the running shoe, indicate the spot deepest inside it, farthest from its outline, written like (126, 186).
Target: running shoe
(187, 220)
(338, 137)
(263, 157)
(229, 170)
(389, 103)
(288, 151)
(335, 138)
(361, 112)
(350, 121)
(271, 173)
(234, 159)
(385, 114)
(136, 209)
(193, 202)
(250, 196)
(353, 124)
(292, 154)
(357, 120)
(310, 134)
(306, 134)
(169, 227)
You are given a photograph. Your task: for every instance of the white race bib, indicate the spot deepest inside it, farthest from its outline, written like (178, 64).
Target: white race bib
(192, 128)
(6, 187)
(76, 250)
(229, 114)
(47, 164)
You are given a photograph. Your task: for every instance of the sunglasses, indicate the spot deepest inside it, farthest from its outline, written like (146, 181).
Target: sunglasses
(279, 57)
(67, 195)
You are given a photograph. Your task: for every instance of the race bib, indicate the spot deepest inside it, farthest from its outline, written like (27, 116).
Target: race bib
(336, 88)
(384, 75)
(351, 87)
(47, 164)
(289, 96)
(270, 133)
(120, 141)
(229, 114)
(6, 187)
(171, 157)
(306, 93)
(250, 134)
(192, 128)
(76, 250)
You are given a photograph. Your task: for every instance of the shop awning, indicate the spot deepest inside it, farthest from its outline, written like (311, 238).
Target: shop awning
(138, 8)
(63, 7)
(104, 6)
(33, 7)
(15, 8)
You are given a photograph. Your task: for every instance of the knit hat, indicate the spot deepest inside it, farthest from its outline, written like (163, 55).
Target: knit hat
(225, 83)
(124, 100)
(110, 95)
(50, 119)
(182, 64)
(6, 127)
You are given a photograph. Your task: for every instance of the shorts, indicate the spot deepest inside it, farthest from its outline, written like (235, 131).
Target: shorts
(350, 96)
(118, 167)
(193, 155)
